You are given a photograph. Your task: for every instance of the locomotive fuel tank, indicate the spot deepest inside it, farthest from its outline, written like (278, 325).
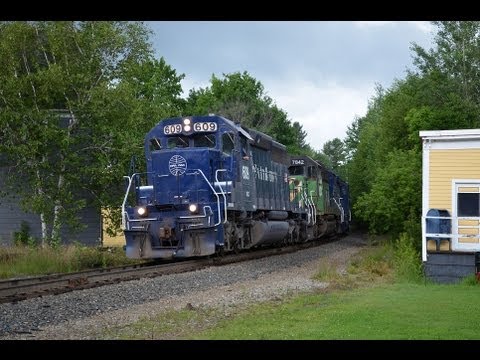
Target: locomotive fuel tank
(268, 232)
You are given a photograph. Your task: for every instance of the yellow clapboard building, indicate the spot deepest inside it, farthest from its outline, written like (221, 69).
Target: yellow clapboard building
(108, 240)
(451, 198)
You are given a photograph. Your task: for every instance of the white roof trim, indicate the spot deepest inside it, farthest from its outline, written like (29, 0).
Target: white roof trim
(450, 134)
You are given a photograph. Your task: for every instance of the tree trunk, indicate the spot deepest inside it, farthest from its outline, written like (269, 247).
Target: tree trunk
(56, 211)
(44, 229)
(42, 214)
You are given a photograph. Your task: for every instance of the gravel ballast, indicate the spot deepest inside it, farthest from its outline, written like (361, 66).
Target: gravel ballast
(86, 314)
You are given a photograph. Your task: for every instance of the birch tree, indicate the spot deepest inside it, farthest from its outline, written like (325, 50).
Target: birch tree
(72, 112)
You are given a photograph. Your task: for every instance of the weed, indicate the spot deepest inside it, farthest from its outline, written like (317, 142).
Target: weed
(26, 260)
(23, 237)
(408, 266)
(470, 280)
(326, 272)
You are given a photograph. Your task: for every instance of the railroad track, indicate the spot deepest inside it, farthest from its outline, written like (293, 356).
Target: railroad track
(13, 290)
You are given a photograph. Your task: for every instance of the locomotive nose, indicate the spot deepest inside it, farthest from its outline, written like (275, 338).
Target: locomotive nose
(183, 177)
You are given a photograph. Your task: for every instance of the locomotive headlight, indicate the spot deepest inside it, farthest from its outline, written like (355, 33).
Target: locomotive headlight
(142, 211)
(187, 128)
(187, 122)
(192, 207)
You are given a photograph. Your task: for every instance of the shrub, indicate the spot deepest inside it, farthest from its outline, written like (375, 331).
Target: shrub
(22, 237)
(407, 261)
(470, 280)
(373, 262)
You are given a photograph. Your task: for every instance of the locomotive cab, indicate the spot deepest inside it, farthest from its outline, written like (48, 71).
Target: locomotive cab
(313, 187)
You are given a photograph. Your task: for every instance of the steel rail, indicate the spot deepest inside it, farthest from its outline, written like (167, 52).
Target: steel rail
(13, 290)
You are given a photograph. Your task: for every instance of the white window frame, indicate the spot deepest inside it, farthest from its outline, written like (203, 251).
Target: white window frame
(456, 246)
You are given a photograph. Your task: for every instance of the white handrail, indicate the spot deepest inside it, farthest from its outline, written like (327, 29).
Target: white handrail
(342, 212)
(198, 216)
(124, 213)
(307, 204)
(310, 208)
(214, 192)
(304, 203)
(217, 182)
(451, 234)
(314, 208)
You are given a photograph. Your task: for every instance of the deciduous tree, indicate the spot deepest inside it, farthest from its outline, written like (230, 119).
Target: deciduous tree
(76, 99)
(241, 98)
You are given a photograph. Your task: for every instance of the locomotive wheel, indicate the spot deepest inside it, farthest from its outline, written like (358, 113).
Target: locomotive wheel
(220, 251)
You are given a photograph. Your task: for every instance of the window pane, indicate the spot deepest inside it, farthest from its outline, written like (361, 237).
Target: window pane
(155, 144)
(227, 141)
(177, 141)
(295, 170)
(207, 140)
(467, 204)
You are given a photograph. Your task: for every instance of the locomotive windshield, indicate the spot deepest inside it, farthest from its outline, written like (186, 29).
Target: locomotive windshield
(155, 144)
(177, 141)
(204, 140)
(296, 170)
(199, 140)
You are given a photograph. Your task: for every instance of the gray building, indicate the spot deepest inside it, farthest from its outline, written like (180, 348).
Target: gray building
(11, 217)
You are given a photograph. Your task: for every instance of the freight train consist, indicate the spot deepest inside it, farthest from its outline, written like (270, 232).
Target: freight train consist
(214, 186)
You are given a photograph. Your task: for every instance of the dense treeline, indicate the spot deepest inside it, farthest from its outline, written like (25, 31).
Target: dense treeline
(383, 148)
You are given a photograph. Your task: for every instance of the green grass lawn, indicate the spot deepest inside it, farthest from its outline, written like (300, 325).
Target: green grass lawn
(395, 311)
(380, 296)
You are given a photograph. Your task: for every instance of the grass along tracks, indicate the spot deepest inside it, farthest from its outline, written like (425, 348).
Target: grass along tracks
(12, 290)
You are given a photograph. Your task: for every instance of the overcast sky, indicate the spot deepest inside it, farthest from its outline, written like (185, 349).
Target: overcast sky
(322, 73)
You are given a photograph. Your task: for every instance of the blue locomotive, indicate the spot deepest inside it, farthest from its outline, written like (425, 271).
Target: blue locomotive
(212, 185)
